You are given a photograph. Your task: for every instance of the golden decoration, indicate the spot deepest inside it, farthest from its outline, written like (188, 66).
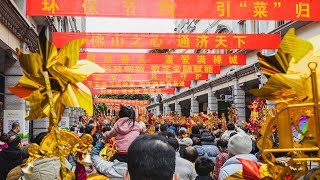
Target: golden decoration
(51, 81)
(293, 84)
(97, 177)
(109, 150)
(268, 143)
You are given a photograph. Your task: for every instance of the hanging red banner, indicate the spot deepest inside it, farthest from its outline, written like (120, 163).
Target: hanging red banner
(161, 69)
(121, 101)
(164, 59)
(133, 91)
(180, 9)
(117, 84)
(170, 40)
(148, 77)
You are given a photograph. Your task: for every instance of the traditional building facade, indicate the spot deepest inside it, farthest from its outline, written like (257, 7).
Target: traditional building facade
(231, 86)
(20, 31)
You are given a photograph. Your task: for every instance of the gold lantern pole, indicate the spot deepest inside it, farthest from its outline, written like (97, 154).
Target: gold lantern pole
(55, 121)
(313, 67)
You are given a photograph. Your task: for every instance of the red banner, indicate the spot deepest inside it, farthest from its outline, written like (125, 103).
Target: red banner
(180, 9)
(148, 77)
(133, 91)
(117, 84)
(170, 40)
(164, 59)
(121, 101)
(161, 69)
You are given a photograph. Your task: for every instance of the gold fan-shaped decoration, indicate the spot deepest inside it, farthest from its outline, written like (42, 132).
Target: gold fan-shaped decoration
(287, 72)
(52, 80)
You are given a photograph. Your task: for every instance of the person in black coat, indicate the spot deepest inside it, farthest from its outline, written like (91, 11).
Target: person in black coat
(11, 157)
(204, 168)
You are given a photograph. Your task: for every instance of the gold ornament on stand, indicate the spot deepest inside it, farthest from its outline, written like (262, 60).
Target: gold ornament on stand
(292, 83)
(232, 115)
(52, 80)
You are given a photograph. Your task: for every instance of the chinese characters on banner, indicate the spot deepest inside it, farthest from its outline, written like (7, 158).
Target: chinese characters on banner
(121, 101)
(163, 59)
(306, 10)
(170, 40)
(148, 77)
(124, 84)
(133, 91)
(161, 69)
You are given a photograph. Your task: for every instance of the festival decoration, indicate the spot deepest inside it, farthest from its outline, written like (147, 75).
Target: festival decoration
(180, 9)
(161, 59)
(259, 112)
(301, 129)
(51, 81)
(170, 41)
(232, 115)
(124, 84)
(293, 84)
(109, 149)
(133, 91)
(251, 171)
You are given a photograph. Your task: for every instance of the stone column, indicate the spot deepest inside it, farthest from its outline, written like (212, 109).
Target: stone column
(166, 109)
(239, 100)
(177, 107)
(158, 110)
(194, 105)
(212, 101)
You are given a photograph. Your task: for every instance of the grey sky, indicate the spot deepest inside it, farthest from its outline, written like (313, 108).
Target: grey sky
(122, 25)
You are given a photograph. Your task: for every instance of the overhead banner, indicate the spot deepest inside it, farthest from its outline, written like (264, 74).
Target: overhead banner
(133, 91)
(121, 101)
(148, 77)
(117, 84)
(306, 10)
(161, 69)
(164, 59)
(170, 40)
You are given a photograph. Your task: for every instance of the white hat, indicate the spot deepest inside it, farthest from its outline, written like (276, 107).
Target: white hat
(240, 144)
(183, 129)
(187, 141)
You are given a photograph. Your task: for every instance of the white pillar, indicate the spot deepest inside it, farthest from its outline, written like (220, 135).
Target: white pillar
(212, 101)
(166, 109)
(194, 105)
(177, 107)
(239, 100)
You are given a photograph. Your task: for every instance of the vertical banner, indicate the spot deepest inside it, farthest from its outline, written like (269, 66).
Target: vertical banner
(12, 116)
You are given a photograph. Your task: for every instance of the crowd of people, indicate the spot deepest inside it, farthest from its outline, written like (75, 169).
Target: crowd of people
(172, 152)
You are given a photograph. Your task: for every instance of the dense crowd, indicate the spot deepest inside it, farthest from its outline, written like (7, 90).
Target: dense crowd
(171, 153)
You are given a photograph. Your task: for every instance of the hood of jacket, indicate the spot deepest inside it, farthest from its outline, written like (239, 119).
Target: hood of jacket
(201, 151)
(234, 160)
(124, 126)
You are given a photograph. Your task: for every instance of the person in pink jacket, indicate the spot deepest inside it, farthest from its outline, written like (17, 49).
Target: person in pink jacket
(126, 130)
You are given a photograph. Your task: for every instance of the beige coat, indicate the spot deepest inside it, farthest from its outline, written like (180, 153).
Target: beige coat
(45, 169)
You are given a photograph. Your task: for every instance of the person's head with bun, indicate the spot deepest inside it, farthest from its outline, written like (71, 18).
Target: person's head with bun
(127, 112)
